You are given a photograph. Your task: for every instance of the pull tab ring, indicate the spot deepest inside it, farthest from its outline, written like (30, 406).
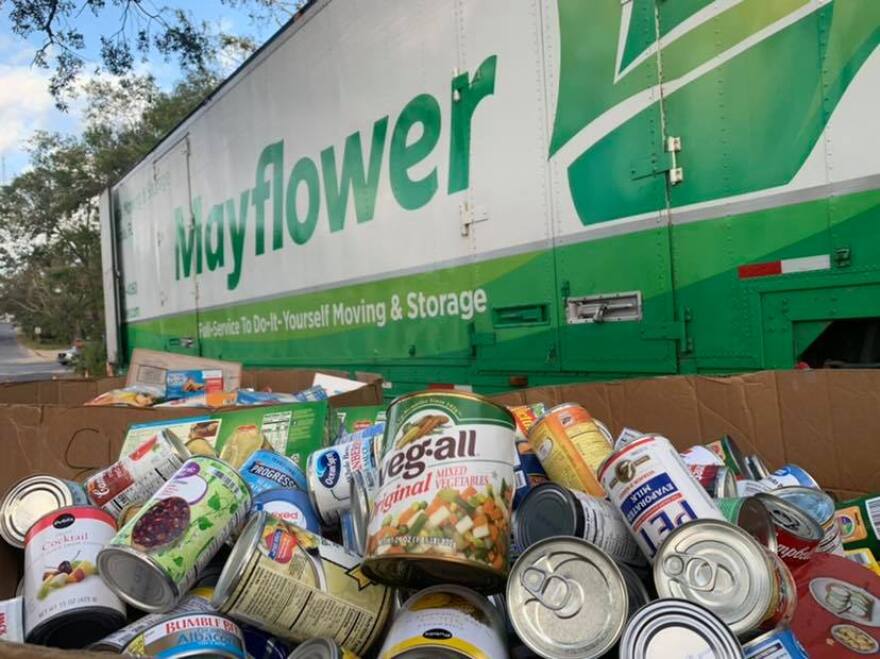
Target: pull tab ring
(536, 581)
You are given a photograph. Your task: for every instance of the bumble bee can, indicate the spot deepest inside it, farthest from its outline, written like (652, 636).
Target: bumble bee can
(296, 585)
(446, 621)
(190, 635)
(66, 603)
(442, 510)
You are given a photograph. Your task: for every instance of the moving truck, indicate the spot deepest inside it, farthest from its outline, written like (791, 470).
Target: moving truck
(486, 193)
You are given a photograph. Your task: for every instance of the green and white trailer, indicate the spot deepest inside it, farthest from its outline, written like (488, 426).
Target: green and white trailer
(489, 193)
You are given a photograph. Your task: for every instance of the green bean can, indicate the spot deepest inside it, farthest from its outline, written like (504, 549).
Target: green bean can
(155, 558)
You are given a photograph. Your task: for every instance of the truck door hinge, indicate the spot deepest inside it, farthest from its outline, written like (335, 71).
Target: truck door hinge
(675, 173)
(673, 330)
(471, 215)
(660, 163)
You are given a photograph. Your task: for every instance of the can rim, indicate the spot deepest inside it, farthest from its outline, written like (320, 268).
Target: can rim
(809, 524)
(520, 531)
(233, 570)
(359, 498)
(320, 644)
(494, 579)
(802, 490)
(177, 444)
(88, 506)
(12, 534)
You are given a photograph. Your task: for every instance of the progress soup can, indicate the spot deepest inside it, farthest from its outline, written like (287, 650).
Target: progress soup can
(446, 621)
(31, 498)
(265, 470)
(155, 558)
(442, 511)
(654, 490)
(295, 585)
(329, 473)
(66, 603)
(134, 478)
(571, 446)
(190, 635)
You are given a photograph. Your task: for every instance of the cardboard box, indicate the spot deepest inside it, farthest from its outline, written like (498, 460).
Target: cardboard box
(828, 422)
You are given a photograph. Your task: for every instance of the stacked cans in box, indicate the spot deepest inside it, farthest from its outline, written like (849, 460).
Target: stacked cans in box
(450, 526)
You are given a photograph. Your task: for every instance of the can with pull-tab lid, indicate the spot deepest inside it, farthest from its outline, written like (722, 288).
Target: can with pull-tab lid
(31, 498)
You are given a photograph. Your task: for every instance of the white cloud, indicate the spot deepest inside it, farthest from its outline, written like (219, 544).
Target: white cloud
(25, 104)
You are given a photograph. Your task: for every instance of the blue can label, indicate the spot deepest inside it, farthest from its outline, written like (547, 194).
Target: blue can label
(328, 467)
(265, 470)
(527, 472)
(292, 506)
(779, 644)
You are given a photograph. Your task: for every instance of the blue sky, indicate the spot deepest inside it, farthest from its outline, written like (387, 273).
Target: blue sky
(25, 103)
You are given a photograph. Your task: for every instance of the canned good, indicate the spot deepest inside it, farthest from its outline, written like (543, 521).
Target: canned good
(267, 470)
(321, 648)
(797, 534)
(863, 557)
(727, 449)
(627, 436)
(260, 645)
(31, 498)
(293, 506)
(241, 444)
(442, 512)
(723, 568)
(552, 510)
(369, 432)
(700, 455)
(790, 476)
(12, 620)
(551, 608)
(820, 506)
(363, 494)
(751, 516)
(329, 472)
(779, 643)
(527, 471)
(654, 490)
(190, 635)
(127, 513)
(717, 481)
(296, 585)
(636, 589)
(66, 603)
(133, 479)
(756, 467)
(571, 446)
(196, 601)
(446, 620)
(348, 533)
(155, 558)
(677, 628)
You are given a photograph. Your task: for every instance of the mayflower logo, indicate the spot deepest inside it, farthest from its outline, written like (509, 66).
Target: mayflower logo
(748, 85)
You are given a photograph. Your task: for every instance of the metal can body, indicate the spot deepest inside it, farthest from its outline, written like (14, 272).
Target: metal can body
(66, 603)
(442, 511)
(267, 470)
(654, 490)
(797, 534)
(551, 510)
(820, 507)
(134, 478)
(329, 472)
(730, 453)
(293, 506)
(571, 446)
(31, 498)
(750, 515)
(718, 481)
(296, 585)
(156, 557)
(446, 618)
(190, 635)
(780, 643)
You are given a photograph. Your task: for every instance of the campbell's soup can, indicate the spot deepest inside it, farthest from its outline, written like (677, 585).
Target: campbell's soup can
(190, 635)
(66, 603)
(571, 446)
(446, 621)
(797, 534)
(442, 511)
(654, 490)
(134, 478)
(329, 474)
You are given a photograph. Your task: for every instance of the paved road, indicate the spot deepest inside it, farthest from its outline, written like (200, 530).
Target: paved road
(19, 364)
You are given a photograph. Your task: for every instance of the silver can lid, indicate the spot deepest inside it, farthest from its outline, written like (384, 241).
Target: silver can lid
(677, 628)
(790, 517)
(29, 500)
(234, 569)
(137, 579)
(317, 648)
(567, 599)
(547, 511)
(361, 501)
(719, 566)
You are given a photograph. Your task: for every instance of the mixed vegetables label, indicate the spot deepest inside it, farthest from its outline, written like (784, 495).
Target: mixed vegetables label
(447, 482)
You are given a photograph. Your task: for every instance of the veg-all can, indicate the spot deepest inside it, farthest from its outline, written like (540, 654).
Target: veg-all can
(797, 534)
(133, 479)
(292, 506)
(197, 600)
(329, 472)
(551, 510)
(528, 470)
(296, 585)
(442, 512)
(66, 603)
(446, 620)
(654, 490)
(779, 643)
(750, 515)
(717, 481)
(820, 507)
(190, 635)
(567, 598)
(571, 446)
(155, 558)
(31, 498)
(678, 628)
(267, 470)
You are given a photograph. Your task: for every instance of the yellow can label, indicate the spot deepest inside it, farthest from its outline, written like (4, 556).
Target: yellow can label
(852, 525)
